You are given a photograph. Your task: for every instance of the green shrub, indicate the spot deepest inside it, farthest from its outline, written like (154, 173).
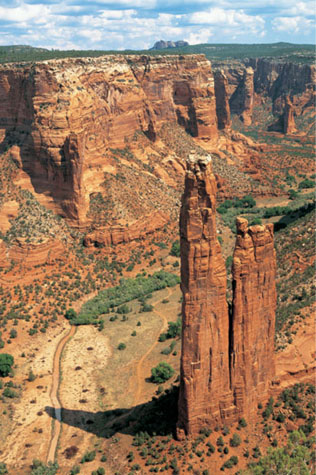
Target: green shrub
(161, 373)
(174, 330)
(306, 184)
(6, 363)
(256, 221)
(88, 456)
(31, 376)
(242, 422)
(175, 249)
(71, 314)
(7, 392)
(121, 346)
(220, 441)
(39, 468)
(235, 441)
(3, 468)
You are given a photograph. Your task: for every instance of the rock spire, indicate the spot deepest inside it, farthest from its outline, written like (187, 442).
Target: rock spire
(227, 364)
(253, 322)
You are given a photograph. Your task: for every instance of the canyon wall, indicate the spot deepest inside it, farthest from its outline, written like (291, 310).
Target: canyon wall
(288, 117)
(222, 102)
(62, 116)
(227, 362)
(278, 79)
(271, 78)
(241, 102)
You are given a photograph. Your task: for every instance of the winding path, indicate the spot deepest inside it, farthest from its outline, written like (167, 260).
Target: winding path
(54, 395)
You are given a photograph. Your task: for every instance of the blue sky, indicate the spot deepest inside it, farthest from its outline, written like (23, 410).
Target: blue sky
(137, 24)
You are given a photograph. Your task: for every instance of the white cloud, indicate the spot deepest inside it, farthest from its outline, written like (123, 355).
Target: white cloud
(238, 22)
(292, 25)
(24, 12)
(201, 36)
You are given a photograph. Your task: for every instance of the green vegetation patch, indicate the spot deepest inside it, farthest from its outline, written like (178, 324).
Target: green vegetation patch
(129, 289)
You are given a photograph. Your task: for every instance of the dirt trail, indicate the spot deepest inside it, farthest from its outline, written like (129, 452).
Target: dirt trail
(54, 395)
(139, 373)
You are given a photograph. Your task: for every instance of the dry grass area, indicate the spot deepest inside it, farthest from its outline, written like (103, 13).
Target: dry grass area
(100, 383)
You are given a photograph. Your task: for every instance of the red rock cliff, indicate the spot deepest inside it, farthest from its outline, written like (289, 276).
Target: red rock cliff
(288, 117)
(253, 321)
(205, 384)
(64, 115)
(222, 102)
(241, 102)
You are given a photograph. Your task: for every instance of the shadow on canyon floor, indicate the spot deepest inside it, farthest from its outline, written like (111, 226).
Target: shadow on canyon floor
(293, 215)
(158, 416)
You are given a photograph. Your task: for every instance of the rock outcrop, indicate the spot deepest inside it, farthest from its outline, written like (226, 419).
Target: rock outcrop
(205, 383)
(227, 363)
(162, 44)
(288, 117)
(222, 100)
(119, 234)
(65, 115)
(253, 321)
(241, 102)
(30, 254)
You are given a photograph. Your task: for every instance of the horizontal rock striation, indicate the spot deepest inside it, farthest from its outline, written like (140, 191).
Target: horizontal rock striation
(123, 234)
(64, 115)
(29, 254)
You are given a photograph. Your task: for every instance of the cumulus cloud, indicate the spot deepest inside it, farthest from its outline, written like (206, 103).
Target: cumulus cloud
(23, 12)
(236, 21)
(292, 25)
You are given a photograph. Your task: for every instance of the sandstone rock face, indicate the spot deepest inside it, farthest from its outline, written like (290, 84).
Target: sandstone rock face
(241, 102)
(118, 234)
(253, 321)
(32, 254)
(205, 385)
(222, 100)
(288, 117)
(277, 79)
(227, 364)
(64, 115)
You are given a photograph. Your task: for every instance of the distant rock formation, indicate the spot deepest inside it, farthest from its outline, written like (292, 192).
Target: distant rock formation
(241, 102)
(222, 100)
(169, 44)
(227, 364)
(288, 117)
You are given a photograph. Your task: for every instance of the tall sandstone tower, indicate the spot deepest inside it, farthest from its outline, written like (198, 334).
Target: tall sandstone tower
(226, 363)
